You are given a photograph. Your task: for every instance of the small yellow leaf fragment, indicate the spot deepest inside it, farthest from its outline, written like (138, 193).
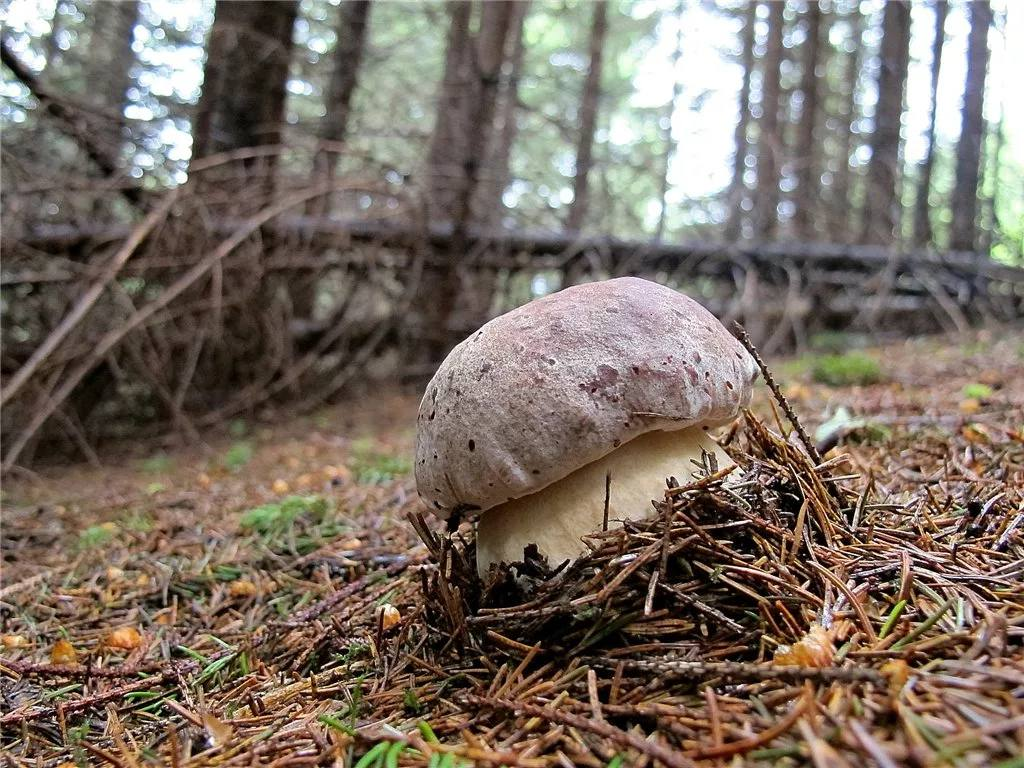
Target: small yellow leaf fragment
(898, 672)
(10, 642)
(389, 616)
(63, 653)
(279, 487)
(815, 649)
(241, 588)
(305, 481)
(124, 638)
(970, 405)
(219, 731)
(204, 480)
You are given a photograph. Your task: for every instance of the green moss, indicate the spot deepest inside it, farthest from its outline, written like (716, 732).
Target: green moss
(846, 370)
(275, 518)
(238, 455)
(373, 466)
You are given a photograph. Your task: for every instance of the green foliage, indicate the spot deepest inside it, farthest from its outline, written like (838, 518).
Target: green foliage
(158, 464)
(411, 702)
(275, 518)
(96, 536)
(372, 466)
(238, 455)
(977, 390)
(238, 428)
(854, 368)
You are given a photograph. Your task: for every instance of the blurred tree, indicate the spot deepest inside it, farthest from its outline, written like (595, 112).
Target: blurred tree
(737, 188)
(842, 210)
(807, 170)
(963, 234)
(881, 202)
(110, 59)
(589, 103)
(922, 209)
(667, 120)
(353, 22)
(489, 206)
(243, 96)
(769, 137)
(462, 132)
(51, 42)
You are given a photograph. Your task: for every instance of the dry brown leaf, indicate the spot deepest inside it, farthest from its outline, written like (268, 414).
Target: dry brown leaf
(220, 732)
(390, 616)
(63, 653)
(242, 588)
(124, 638)
(813, 650)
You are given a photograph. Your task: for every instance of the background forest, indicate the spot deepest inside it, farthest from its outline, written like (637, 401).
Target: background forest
(209, 207)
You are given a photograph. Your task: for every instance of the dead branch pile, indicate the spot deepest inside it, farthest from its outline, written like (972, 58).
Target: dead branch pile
(184, 322)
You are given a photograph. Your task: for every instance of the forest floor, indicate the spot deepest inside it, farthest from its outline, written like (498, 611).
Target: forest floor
(231, 603)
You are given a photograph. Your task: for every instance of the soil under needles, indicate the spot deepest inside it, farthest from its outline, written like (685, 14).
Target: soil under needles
(266, 599)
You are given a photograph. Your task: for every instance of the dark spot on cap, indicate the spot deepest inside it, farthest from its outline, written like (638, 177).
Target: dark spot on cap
(616, 443)
(535, 471)
(485, 368)
(728, 384)
(472, 445)
(696, 357)
(432, 415)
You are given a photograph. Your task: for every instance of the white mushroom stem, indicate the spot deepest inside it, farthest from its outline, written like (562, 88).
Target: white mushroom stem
(556, 517)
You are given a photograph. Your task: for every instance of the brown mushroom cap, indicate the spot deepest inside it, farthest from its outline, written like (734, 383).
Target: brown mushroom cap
(553, 385)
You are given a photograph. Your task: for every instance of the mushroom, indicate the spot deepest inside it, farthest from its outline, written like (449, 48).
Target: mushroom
(527, 419)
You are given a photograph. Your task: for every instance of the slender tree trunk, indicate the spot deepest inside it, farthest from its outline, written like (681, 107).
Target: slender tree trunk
(488, 206)
(972, 130)
(352, 30)
(808, 188)
(922, 211)
(449, 136)
(353, 23)
(670, 113)
(588, 119)
(458, 147)
(769, 142)
(110, 57)
(51, 43)
(882, 204)
(248, 53)
(737, 188)
(993, 165)
(842, 205)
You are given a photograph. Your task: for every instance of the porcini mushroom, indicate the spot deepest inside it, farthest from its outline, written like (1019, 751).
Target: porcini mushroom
(525, 419)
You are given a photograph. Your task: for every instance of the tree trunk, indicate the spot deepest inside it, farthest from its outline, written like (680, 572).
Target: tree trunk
(488, 206)
(922, 211)
(461, 135)
(881, 203)
(808, 188)
(963, 234)
(110, 57)
(769, 141)
(243, 98)
(589, 102)
(842, 204)
(737, 188)
(51, 46)
(670, 112)
(449, 137)
(353, 23)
